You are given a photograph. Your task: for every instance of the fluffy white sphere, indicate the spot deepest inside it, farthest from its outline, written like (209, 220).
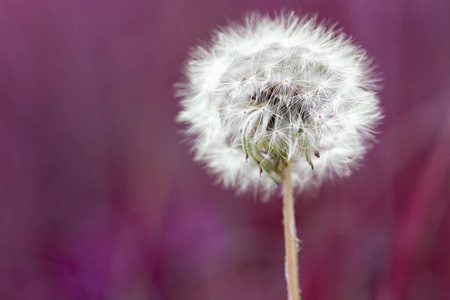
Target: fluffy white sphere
(275, 90)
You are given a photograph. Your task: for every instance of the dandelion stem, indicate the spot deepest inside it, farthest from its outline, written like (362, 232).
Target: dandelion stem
(291, 241)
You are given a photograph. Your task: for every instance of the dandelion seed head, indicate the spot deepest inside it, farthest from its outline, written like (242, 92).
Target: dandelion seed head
(279, 89)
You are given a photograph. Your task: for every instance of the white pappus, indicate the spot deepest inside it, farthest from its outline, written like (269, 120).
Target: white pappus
(279, 89)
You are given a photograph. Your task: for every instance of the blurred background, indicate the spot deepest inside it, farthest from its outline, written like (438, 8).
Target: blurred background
(99, 199)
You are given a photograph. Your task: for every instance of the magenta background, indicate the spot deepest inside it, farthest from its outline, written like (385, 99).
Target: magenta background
(100, 200)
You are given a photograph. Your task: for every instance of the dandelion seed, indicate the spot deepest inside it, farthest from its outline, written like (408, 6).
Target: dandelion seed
(323, 74)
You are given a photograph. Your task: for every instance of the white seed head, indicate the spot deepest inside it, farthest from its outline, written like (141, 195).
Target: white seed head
(275, 90)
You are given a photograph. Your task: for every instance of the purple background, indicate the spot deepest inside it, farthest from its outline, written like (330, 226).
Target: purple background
(100, 200)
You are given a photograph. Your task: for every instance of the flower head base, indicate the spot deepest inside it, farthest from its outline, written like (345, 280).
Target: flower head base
(283, 90)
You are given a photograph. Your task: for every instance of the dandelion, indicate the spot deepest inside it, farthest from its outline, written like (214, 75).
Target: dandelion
(279, 100)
